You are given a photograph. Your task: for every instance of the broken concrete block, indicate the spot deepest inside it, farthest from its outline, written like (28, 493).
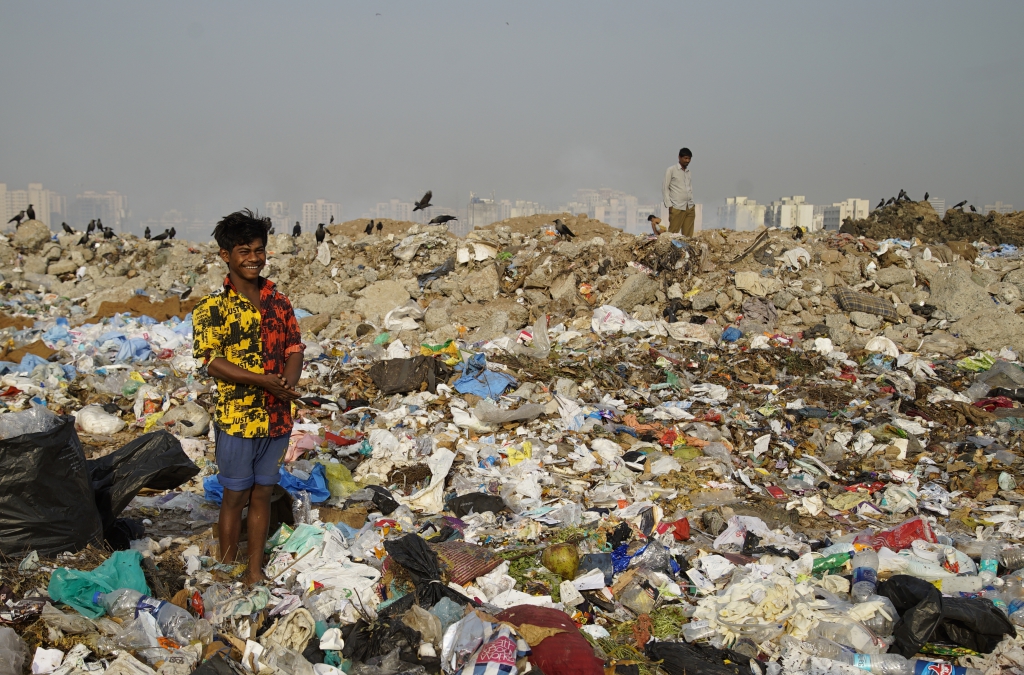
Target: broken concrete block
(954, 292)
(31, 235)
(481, 285)
(379, 298)
(636, 290)
(890, 276)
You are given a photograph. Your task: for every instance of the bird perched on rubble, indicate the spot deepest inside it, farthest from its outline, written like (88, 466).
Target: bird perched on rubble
(441, 220)
(91, 226)
(84, 240)
(881, 203)
(297, 230)
(171, 233)
(108, 233)
(30, 212)
(99, 223)
(320, 234)
(369, 228)
(161, 236)
(973, 210)
(901, 195)
(67, 228)
(425, 202)
(562, 230)
(17, 219)
(380, 226)
(146, 234)
(926, 196)
(959, 206)
(332, 220)
(890, 201)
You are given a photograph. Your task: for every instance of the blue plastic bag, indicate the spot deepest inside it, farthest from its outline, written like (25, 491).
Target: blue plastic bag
(315, 485)
(476, 379)
(732, 334)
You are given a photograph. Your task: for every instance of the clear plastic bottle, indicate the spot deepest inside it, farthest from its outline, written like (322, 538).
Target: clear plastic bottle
(896, 664)
(989, 565)
(697, 630)
(851, 635)
(865, 574)
(1013, 558)
(126, 603)
(819, 647)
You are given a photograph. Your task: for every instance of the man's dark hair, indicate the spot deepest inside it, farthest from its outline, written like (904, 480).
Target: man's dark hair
(685, 152)
(241, 227)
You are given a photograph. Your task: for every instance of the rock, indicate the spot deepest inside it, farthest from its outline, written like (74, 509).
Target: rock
(481, 285)
(703, 301)
(636, 290)
(904, 335)
(34, 264)
(314, 324)
(281, 243)
(1015, 277)
(675, 292)
(865, 320)
(837, 321)
(830, 256)
(436, 316)
(1006, 293)
(564, 287)
(318, 303)
(991, 329)
(955, 293)
(381, 297)
(724, 300)
(65, 266)
(31, 235)
(890, 276)
(543, 274)
(474, 316)
(782, 299)
(841, 335)
(353, 284)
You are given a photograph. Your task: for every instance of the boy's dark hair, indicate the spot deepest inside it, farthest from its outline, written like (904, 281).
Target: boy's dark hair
(241, 227)
(650, 217)
(685, 152)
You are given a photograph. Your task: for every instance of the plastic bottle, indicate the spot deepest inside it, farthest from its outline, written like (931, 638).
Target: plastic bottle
(820, 647)
(896, 664)
(989, 566)
(126, 603)
(956, 585)
(697, 630)
(865, 574)
(1013, 558)
(850, 634)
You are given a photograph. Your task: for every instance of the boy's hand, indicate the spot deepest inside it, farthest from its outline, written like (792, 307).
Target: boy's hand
(276, 385)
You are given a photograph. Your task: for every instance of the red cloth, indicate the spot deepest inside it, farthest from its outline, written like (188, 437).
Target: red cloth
(566, 653)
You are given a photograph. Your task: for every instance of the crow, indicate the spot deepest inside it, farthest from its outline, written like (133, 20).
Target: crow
(425, 202)
(441, 220)
(91, 226)
(332, 220)
(99, 223)
(901, 195)
(147, 235)
(973, 210)
(31, 212)
(958, 206)
(297, 230)
(881, 203)
(84, 240)
(562, 230)
(170, 235)
(17, 219)
(369, 227)
(161, 236)
(380, 225)
(108, 233)
(890, 201)
(926, 196)
(320, 234)
(271, 230)
(67, 228)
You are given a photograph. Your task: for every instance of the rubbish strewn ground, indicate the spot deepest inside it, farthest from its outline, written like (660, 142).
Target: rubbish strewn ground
(606, 453)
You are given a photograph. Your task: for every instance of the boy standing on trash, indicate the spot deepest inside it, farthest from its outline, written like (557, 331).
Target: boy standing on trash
(247, 338)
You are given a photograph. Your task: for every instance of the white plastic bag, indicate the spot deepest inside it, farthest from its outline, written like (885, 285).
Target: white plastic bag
(92, 419)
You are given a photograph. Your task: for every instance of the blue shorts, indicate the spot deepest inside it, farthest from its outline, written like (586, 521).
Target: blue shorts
(246, 461)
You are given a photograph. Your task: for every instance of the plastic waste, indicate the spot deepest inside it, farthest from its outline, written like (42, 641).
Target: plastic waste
(38, 420)
(126, 603)
(895, 664)
(865, 574)
(92, 419)
(989, 565)
(13, 652)
(852, 635)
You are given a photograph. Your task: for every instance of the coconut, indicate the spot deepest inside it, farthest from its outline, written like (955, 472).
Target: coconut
(562, 559)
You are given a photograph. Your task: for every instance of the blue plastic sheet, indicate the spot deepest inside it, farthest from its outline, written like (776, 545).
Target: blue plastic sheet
(315, 485)
(476, 379)
(732, 334)
(133, 349)
(29, 362)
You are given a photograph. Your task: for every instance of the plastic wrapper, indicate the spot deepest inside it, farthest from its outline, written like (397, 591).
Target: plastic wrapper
(69, 624)
(490, 413)
(899, 537)
(565, 653)
(92, 419)
(38, 420)
(187, 420)
(541, 343)
(13, 652)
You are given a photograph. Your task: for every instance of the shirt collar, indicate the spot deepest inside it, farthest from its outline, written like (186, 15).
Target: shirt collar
(265, 285)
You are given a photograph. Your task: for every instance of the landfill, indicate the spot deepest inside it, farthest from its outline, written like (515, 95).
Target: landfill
(519, 451)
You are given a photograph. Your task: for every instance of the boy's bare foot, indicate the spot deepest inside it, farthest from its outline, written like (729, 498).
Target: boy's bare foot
(253, 577)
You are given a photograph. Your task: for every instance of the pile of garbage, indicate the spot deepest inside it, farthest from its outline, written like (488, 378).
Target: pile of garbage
(768, 452)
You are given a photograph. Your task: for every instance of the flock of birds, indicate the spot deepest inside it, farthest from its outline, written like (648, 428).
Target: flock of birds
(903, 196)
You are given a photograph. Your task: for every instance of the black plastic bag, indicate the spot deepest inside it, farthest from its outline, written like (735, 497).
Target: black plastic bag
(681, 658)
(383, 500)
(441, 270)
(413, 553)
(153, 460)
(926, 616)
(475, 502)
(400, 376)
(46, 498)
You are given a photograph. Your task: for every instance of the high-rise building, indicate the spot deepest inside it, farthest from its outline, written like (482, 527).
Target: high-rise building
(111, 207)
(939, 205)
(854, 209)
(320, 211)
(998, 207)
(790, 212)
(49, 206)
(481, 212)
(393, 209)
(741, 214)
(278, 214)
(614, 207)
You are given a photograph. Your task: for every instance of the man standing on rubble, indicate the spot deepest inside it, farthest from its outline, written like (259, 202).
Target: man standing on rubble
(677, 192)
(247, 338)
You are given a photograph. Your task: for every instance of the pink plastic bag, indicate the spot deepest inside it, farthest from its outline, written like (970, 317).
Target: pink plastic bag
(899, 537)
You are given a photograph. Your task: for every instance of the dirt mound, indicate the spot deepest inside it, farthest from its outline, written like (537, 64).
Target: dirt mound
(907, 220)
(580, 225)
(356, 229)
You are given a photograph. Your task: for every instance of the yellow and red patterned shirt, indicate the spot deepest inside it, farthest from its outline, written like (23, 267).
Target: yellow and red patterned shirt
(226, 324)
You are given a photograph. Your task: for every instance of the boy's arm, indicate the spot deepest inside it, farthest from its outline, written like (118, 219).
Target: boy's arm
(293, 349)
(222, 369)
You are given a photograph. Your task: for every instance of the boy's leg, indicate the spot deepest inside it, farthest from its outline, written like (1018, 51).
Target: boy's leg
(266, 467)
(230, 523)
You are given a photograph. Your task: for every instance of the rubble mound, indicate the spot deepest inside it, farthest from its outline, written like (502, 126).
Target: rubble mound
(910, 220)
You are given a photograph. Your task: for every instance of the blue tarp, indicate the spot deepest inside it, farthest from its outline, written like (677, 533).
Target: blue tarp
(476, 379)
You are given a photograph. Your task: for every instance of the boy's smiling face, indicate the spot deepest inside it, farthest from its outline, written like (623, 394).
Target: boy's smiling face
(246, 261)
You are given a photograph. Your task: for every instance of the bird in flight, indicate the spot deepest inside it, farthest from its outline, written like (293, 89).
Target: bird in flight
(369, 227)
(320, 234)
(67, 228)
(147, 235)
(441, 220)
(959, 206)
(562, 230)
(297, 230)
(31, 212)
(18, 218)
(425, 202)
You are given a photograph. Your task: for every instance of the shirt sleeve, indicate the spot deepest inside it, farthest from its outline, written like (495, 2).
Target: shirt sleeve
(664, 188)
(207, 331)
(293, 334)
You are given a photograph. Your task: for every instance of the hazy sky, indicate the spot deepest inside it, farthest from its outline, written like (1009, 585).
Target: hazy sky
(218, 105)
